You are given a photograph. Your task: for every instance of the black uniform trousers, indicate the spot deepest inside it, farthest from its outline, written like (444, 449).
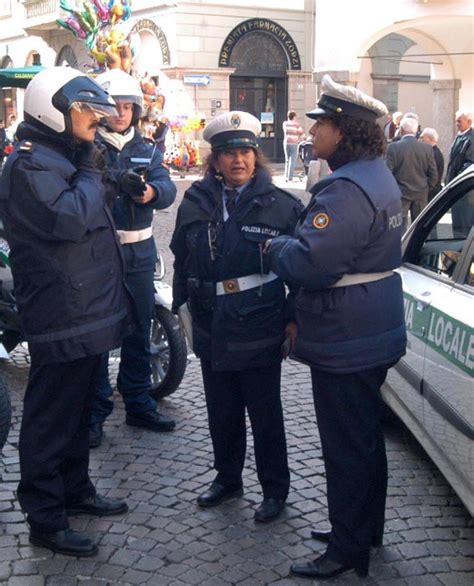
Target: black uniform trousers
(228, 393)
(349, 410)
(54, 441)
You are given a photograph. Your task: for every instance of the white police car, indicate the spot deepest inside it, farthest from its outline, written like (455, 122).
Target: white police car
(432, 387)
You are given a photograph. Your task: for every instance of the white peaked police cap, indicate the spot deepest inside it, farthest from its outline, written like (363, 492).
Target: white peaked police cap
(232, 130)
(337, 100)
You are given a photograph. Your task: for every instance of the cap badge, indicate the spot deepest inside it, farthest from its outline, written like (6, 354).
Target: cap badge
(320, 221)
(235, 120)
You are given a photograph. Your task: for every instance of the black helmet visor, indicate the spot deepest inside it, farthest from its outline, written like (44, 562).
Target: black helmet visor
(83, 90)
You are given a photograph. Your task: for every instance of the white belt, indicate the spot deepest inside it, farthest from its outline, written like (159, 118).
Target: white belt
(243, 283)
(131, 236)
(358, 278)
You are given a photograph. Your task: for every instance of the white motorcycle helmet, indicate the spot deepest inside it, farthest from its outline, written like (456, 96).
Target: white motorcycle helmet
(123, 88)
(53, 92)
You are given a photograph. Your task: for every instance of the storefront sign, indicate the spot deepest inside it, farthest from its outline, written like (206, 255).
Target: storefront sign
(263, 25)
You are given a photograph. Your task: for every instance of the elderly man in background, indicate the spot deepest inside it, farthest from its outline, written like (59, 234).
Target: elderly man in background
(392, 125)
(461, 154)
(413, 166)
(430, 136)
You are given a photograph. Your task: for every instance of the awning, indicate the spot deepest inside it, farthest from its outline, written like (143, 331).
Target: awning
(18, 76)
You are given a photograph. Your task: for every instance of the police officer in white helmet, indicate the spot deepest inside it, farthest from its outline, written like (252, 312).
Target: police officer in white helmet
(71, 297)
(142, 185)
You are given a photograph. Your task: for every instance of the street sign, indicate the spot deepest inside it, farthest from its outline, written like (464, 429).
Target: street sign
(197, 79)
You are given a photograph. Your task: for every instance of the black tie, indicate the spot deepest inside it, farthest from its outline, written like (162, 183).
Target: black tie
(231, 200)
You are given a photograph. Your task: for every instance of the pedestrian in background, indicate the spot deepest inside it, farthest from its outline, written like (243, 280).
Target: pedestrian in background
(143, 185)
(292, 134)
(238, 306)
(392, 125)
(71, 297)
(11, 128)
(461, 154)
(349, 314)
(430, 136)
(305, 153)
(413, 166)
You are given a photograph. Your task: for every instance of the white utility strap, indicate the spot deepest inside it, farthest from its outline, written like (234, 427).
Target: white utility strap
(243, 283)
(132, 236)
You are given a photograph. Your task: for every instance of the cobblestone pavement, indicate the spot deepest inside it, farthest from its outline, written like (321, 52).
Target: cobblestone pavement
(166, 539)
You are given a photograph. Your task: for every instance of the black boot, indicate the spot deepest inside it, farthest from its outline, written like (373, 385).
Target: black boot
(217, 493)
(324, 567)
(99, 506)
(269, 509)
(67, 542)
(151, 420)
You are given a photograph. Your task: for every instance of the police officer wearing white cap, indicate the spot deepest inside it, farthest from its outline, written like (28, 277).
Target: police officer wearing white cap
(238, 306)
(349, 314)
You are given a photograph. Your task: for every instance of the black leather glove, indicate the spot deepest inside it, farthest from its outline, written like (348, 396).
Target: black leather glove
(90, 156)
(131, 182)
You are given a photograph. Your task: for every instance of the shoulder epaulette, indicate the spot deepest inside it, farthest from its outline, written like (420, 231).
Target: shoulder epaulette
(26, 146)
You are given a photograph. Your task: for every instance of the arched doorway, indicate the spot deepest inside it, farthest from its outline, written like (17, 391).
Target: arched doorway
(261, 52)
(67, 57)
(401, 81)
(150, 48)
(412, 72)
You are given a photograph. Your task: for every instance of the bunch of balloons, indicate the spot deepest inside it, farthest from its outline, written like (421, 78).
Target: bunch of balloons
(184, 123)
(96, 24)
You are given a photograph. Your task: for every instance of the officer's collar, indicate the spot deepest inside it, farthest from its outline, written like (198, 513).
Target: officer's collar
(117, 139)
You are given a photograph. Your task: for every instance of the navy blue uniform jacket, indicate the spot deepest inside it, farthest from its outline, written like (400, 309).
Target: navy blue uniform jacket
(129, 215)
(65, 257)
(351, 225)
(245, 329)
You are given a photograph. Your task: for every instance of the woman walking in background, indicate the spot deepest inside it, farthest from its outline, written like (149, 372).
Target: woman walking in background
(292, 136)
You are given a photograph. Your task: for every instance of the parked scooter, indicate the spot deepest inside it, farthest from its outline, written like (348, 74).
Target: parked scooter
(167, 343)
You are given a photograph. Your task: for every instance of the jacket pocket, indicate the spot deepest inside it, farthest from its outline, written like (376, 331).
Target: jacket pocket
(94, 292)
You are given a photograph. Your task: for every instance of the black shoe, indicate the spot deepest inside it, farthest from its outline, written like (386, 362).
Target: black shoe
(269, 509)
(217, 493)
(67, 542)
(99, 506)
(324, 568)
(151, 420)
(96, 434)
(324, 537)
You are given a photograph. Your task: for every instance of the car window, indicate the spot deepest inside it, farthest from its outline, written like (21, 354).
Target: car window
(441, 249)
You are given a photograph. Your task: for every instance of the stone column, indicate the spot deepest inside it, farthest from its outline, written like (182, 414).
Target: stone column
(445, 104)
(301, 95)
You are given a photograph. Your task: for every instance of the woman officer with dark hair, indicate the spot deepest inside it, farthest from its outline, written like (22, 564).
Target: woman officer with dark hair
(238, 306)
(349, 314)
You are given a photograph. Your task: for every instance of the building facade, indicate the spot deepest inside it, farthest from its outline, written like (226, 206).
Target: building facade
(268, 56)
(207, 56)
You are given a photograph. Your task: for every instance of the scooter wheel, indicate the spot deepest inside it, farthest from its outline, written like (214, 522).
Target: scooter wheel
(168, 353)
